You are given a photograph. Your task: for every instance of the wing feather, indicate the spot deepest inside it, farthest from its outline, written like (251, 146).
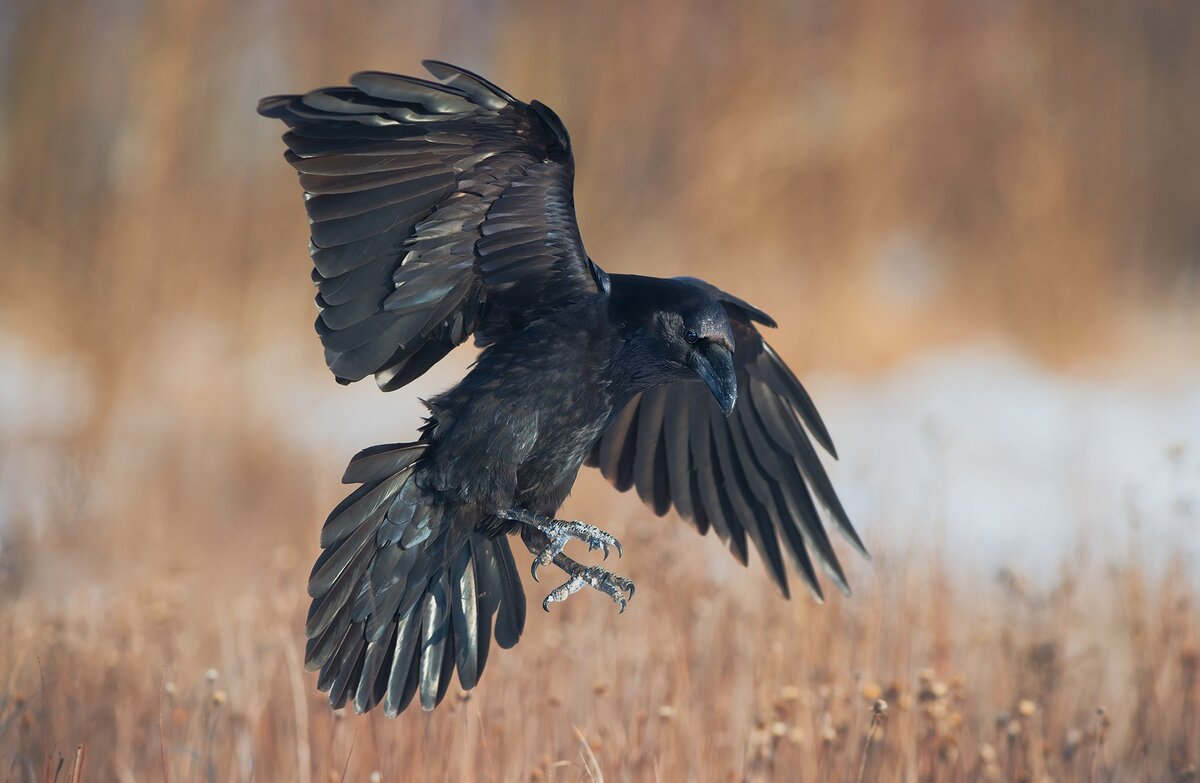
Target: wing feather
(427, 200)
(752, 475)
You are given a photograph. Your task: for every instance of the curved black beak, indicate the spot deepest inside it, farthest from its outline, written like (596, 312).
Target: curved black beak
(714, 364)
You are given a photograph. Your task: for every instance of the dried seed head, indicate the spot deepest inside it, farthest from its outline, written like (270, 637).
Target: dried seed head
(880, 708)
(219, 697)
(871, 691)
(211, 675)
(1013, 729)
(1071, 743)
(376, 777)
(1026, 707)
(666, 712)
(987, 754)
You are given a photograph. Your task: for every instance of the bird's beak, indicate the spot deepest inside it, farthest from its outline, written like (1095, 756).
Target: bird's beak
(714, 364)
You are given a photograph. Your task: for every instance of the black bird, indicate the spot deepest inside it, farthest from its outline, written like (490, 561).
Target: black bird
(444, 210)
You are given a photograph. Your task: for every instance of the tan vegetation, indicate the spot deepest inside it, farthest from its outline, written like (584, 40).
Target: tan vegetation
(882, 177)
(708, 676)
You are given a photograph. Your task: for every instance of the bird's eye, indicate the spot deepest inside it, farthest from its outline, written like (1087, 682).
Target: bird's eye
(691, 336)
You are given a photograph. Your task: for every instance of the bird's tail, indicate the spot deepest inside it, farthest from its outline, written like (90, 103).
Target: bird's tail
(405, 591)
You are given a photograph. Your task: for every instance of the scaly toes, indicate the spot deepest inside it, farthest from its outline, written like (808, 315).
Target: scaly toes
(563, 591)
(611, 585)
(618, 588)
(594, 537)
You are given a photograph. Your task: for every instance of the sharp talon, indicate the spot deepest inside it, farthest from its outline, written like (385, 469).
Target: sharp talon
(617, 544)
(533, 569)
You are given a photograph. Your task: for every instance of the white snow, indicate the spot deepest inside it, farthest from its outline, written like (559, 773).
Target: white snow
(976, 450)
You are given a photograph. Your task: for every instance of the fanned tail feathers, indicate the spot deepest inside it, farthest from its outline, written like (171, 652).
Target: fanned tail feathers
(404, 593)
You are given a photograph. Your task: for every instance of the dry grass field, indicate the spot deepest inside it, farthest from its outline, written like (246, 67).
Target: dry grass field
(191, 675)
(887, 179)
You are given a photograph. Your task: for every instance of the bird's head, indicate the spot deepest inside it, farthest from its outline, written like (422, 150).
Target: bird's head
(674, 330)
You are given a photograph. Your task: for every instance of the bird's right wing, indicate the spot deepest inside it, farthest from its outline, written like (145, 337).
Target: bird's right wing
(437, 210)
(752, 474)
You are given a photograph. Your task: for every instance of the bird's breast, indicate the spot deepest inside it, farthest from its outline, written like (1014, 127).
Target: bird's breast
(568, 425)
(517, 428)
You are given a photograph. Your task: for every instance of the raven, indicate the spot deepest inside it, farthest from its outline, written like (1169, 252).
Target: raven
(444, 210)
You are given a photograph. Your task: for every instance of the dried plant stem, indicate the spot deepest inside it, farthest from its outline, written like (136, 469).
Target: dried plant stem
(591, 764)
(878, 715)
(1098, 751)
(162, 750)
(77, 770)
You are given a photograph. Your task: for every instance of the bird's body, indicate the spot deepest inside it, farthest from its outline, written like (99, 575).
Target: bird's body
(515, 431)
(442, 211)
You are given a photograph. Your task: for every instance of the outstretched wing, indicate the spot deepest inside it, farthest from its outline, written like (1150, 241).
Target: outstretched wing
(753, 474)
(438, 211)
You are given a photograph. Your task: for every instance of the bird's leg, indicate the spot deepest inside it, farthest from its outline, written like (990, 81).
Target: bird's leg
(615, 587)
(558, 532)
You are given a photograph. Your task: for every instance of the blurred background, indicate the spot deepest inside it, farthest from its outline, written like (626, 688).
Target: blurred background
(978, 225)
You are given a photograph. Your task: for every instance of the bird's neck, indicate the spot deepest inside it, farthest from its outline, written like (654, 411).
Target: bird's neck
(633, 369)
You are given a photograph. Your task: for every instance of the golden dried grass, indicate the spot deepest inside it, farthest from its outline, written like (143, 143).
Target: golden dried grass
(183, 662)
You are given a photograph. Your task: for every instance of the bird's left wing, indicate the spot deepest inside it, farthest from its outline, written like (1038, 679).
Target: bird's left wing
(438, 210)
(753, 474)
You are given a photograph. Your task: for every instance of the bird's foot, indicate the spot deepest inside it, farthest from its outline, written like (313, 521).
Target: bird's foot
(618, 588)
(559, 531)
